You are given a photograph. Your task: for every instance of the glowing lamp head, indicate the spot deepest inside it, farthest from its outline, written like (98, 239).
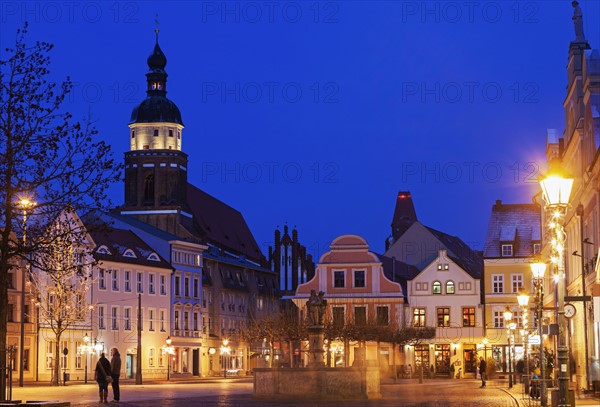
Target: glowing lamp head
(86, 338)
(556, 186)
(168, 341)
(508, 314)
(523, 299)
(538, 269)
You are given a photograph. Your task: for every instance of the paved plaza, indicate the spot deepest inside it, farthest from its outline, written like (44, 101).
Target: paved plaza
(238, 393)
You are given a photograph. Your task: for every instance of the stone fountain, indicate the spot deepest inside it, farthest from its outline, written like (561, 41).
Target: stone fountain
(317, 381)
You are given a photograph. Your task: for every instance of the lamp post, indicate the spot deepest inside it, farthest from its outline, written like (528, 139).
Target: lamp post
(169, 351)
(25, 204)
(509, 325)
(556, 189)
(86, 350)
(523, 299)
(225, 351)
(538, 269)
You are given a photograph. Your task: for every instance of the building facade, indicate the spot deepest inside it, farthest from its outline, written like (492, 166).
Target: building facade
(513, 242)
(578, 149)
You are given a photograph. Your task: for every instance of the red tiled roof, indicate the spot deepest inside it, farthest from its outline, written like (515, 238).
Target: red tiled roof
(222, 225)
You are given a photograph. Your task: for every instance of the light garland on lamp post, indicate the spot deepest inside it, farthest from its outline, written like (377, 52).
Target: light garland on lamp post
(523, 299)
(169, 351)
(508, 315)
(556, 190)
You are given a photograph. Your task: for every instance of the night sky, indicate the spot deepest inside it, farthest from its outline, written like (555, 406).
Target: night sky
(318, 113)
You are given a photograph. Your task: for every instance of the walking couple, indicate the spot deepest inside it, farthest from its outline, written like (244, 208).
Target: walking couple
(109, 372)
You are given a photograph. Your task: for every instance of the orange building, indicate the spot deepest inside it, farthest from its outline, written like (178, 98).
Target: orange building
(359, 288)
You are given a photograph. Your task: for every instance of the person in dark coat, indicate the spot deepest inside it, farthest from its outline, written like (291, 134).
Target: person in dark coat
(115, 372)
(101, 374)
(482, 371)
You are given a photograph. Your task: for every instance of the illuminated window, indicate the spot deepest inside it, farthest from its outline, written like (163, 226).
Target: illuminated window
(469, 317)
(443, 317)
(449, 287)
(419, 317)
(437, 287)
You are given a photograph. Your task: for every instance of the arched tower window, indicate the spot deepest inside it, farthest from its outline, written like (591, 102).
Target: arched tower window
(149, 188)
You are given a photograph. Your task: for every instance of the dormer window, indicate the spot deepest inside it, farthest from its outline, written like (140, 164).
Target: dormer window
(129, 253)
(153, 257)
(507, 250)
(103, 250)
(537, 247)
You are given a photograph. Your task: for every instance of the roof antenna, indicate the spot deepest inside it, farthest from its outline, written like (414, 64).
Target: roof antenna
(156, 30)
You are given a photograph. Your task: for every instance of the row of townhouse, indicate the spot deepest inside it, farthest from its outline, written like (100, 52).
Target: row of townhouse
(426, 278)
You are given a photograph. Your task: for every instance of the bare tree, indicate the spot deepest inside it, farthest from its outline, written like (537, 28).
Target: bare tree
(45, 155)
(61, 281)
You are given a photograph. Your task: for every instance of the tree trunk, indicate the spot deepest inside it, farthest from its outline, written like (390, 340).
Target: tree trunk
(56, 367)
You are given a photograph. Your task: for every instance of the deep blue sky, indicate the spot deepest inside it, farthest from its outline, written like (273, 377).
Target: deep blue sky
(357, 101)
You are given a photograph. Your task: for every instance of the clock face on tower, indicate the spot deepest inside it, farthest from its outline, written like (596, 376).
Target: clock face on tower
(569, 310)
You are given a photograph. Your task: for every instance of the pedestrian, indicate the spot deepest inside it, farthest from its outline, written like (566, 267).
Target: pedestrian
(482, 371)
(102, 376)
(115, 372)
(409, 371)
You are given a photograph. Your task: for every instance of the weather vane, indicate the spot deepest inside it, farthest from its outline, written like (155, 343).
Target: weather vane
(156, 30)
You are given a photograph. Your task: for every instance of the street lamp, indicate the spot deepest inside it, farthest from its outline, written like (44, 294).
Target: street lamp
(556, 189)
(86, 350)
(169, 351)
(25, 204)
(509, 325)
(225, 351)
(538, 269)
(523, 299)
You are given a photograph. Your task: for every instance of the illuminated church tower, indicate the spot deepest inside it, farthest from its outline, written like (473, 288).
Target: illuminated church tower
(155, 166)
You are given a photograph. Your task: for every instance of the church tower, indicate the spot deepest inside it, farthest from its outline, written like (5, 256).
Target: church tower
(155, 165)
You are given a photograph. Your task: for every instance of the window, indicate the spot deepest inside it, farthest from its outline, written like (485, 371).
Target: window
(186, 287)
(163, 285)
(170, 132)
(437, 287)
(338, 279)
(516, 282)
(162, 320)
(64, 361)
(449, 287)
(11, 313)
(127, 318)
(140, 282)
(360, 315)
(151, 320)
(49, 354)
(151, 355)
(419, 317)
(359, 278)
(186, 321)
(537, 248)
(498, 319)
(382, 315)
(507, 250)
(469, 317)
(115, 280)
(128, 281)
(443, 267)
(422, 286)
(338, 316)
(151, 283)
(195, 321)
(497, 283)
(132, 134)
(197, 287)
(518, 318)
(443, 317)
(422, 355)
(176, 320)
(177, 285)
(114, 322)
(155, 131)
(101, 323)
(102, 279)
